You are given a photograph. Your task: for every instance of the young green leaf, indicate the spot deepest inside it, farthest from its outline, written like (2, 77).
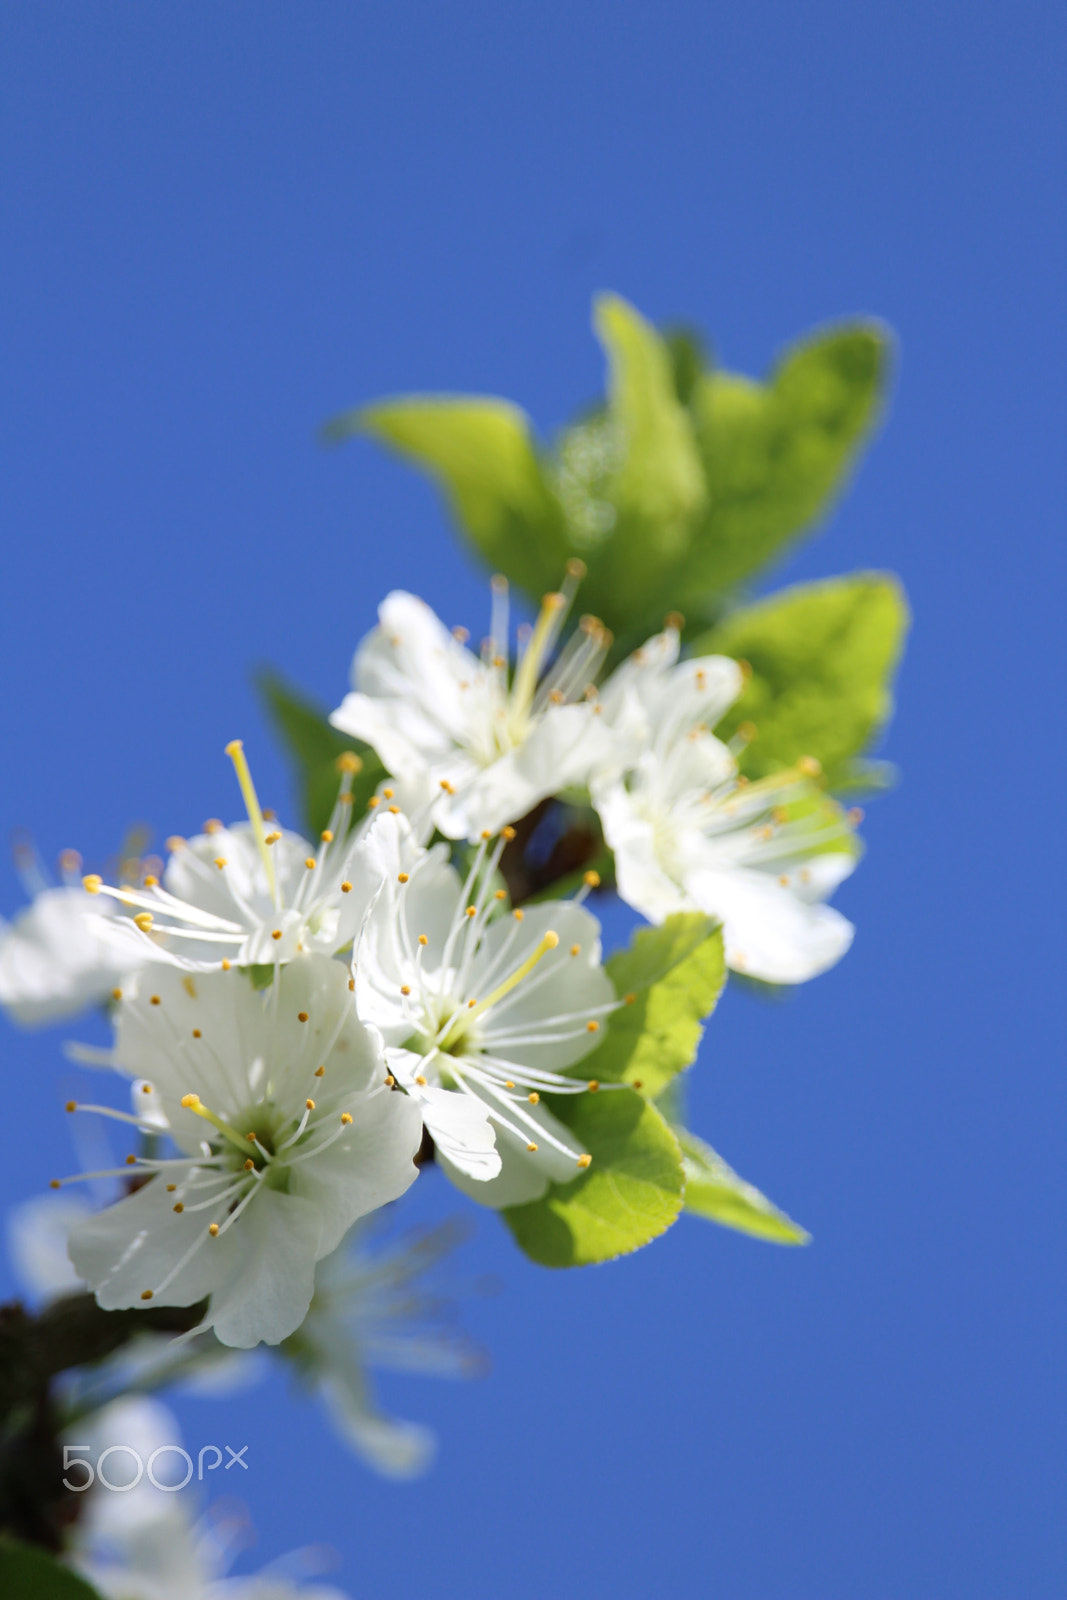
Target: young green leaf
(714, 1190)
(671, 978)
(631, 1193)
(776, 454)
(27, 1573)
(823, 657)
(314, 746)
(481, 451)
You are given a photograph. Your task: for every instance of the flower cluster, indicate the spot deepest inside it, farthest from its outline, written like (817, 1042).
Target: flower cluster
(303, 1025)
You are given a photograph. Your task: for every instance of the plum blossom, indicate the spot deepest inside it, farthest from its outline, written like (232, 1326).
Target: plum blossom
(476, 743)
(482, 1011)
(286, 1131)
(690, 833)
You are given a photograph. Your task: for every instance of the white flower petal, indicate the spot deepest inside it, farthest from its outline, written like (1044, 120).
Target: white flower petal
(524, 1174)
(54, 962)
(769, 932)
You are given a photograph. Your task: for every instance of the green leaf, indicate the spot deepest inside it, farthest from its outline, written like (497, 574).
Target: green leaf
(714, 1190)
(630, 1194)
(823, 657)
(481, 451)
(659, 482)
(776, 454)
(314, 746)
(27, 1573)
(650, 481)
(675, 973)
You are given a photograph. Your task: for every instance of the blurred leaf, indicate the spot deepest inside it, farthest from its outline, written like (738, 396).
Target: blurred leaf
(714, 1190)
(655, 480)
(823, 657)
(689, 359)
(680, 484)
(27, 1573)
(777, 454)
(675, 973)
(481, 452)
(313, 746)
(630, 1194)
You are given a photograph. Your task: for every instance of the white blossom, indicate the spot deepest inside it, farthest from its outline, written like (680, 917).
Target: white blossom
(372, 1309)
(287, 1133)
(482, 1012)
(141, 1542)
(55, 957)
(478, 744)
(690, 833)
(247, 895)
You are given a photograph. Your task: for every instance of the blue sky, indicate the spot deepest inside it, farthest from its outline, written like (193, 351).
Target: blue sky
(223, 224)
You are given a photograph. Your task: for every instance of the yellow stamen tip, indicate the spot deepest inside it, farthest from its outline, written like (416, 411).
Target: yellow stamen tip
(72, 1105)
(591, 1027)
(534, 1099)
(92, 883)
(550, 940)
(585, 1161)
(593, 1085)
(420, 1080)
(518, 915)
(301, 1016)
(375, 800)
(346, 1117)
(144, 920)
(387, 794)
(394, 811)
(592, 879)
(405, 988)
(213, 1229)
(146, 1294)
(220, 862)
(154, 1000)
(54, 1183)
(250, 1165)
(423, 939)
(326, 836)
(151, 881)
(190, 1100)
(348, 761)
(131, 1161)
(507, 833)
(531, 1147)
(233, 748)
(346, 887)
(576, 949)
(809, 766)
(320, 1072)
(276, 934)
(178, 1207)
(402, 877)
(472, 911)
(225, 965)
(116, 994)
(500, 894)
(309, 862)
